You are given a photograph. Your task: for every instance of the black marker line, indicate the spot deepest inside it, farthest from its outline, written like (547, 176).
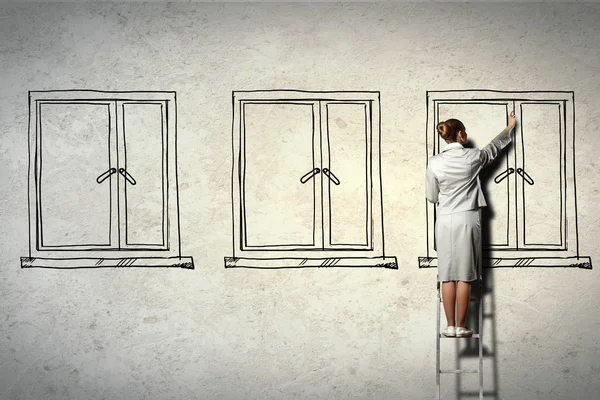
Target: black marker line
(321, 180)
(243, 171)
(306, 99)
(106, 92)
(314, 184)
(502, 91)
(519, 171)
(368, 123)
(306, 91)
(233, 162)
(329, 241)
(575, 180)
(427, 125)
(562, 115)
(29, 170)
(39, 173)
(164, 120)
(110, 182)
(492, 101)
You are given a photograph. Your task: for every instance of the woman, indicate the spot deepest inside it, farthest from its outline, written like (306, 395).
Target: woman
(453, 183)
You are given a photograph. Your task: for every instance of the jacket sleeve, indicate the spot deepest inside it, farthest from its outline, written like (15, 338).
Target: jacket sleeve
(432, 189)
(488, 153)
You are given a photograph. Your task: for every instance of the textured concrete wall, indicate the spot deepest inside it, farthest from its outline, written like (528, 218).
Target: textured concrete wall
(216, 333)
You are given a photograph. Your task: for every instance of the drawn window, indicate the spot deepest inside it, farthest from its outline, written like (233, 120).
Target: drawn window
(103, 178)
(306, 180)
(531, 217)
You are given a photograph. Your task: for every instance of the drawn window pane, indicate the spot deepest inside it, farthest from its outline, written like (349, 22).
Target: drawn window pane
(75, 210)
(541, 173)
(278, 151)
(144, 165)
(348, 162)
(483, 122)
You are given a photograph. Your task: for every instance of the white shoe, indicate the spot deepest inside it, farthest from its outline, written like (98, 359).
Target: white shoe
(449, 331)
(463, 332)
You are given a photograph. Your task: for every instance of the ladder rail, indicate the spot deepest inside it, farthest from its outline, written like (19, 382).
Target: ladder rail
(480, 331)
(437, 375)
(478, 336)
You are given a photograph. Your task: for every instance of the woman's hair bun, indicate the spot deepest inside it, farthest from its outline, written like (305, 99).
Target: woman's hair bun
(449, 129)
(444, 129)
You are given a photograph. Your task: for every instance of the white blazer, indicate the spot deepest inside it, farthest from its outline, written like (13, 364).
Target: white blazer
(453, 175)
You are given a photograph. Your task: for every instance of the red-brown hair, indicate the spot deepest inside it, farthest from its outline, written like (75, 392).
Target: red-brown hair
(449, 129)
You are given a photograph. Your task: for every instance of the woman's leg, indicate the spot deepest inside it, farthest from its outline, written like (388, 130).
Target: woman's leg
(463, 294)
(448, 298)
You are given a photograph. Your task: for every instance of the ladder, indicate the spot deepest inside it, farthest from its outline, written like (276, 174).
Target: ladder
(476, 336)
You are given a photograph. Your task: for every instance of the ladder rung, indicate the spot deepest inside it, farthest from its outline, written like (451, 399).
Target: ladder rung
(475, 336)
(472, 299)
(459, 371)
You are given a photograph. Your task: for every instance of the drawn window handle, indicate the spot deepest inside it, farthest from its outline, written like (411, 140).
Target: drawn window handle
(105, 175)
(309, 175)
(525, 176)
(500, 177)
(331, 176)
(127, 176)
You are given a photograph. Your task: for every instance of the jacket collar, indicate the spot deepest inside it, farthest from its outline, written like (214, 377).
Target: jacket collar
(454, 145)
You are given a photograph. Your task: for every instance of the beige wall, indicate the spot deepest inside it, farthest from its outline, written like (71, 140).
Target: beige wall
(326, 333)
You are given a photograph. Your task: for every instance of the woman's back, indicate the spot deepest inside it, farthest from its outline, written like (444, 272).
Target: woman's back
(453, 175)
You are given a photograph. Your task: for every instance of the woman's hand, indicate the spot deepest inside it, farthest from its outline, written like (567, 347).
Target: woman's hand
(512, 120)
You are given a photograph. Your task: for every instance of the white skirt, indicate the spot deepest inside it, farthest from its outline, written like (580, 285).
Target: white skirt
(458, 245)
